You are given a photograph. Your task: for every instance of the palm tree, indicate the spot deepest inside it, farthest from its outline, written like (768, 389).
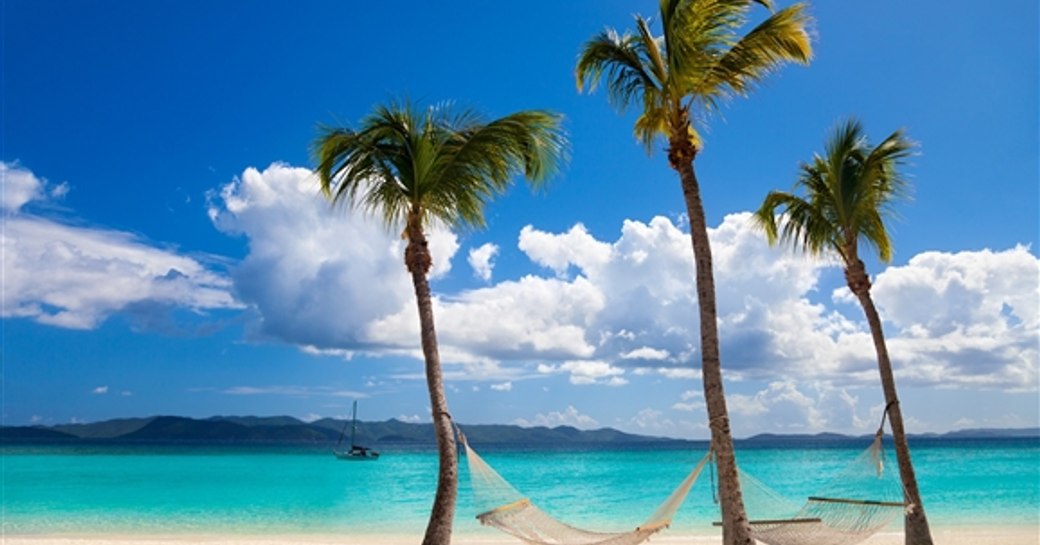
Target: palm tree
(699, 61)
(413, 168)
(848, 193)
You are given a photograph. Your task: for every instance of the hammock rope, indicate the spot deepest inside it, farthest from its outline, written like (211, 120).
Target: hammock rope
(516, 515)
(839, 515)
(861, 500)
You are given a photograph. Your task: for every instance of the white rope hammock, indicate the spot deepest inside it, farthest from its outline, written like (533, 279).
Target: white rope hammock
(517, 516)
(828, 521)
(836, 517)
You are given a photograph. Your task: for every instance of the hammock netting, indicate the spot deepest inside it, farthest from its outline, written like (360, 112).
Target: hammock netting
(515, 514)
(859, 501)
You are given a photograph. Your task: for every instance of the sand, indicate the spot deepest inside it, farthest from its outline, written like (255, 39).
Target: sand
(1016, 535)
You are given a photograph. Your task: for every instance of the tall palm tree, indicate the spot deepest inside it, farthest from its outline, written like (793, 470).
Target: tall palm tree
(415, 167)
(700, 60)
(848, 193)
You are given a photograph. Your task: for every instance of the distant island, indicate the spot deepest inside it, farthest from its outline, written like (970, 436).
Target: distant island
(289, 430)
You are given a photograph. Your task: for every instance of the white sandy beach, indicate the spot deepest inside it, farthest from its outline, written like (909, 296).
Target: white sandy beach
(1014, 535)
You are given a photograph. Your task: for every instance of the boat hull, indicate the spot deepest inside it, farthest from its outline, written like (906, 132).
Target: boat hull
(356, 455)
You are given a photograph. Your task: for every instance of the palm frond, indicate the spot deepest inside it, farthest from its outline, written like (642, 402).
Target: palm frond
(698, 33)
(650, 49)
(698, 60)
(791, 220)
(440, 163)
(618, 60)
(479, 162)
(652, 122)
(780, 39)
(849, 193)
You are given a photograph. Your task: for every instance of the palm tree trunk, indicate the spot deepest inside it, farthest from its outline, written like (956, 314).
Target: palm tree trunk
(735, 528)
(915, 524)
(438, 530)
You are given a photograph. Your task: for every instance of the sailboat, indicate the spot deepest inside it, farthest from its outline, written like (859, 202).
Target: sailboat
(356, 452)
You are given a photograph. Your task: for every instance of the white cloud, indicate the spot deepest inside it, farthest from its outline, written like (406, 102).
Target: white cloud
(331, 280)
(76, 277)
(964, 319)
(413, 419)
(584, 372)
(59, 191)
(649, 311)
(568, 417)
(669, 372)
(1001, 421)
(531, 317)
(941, 292)
(558, 252)
(690, 400)
(464, 368)
(502, 387)
(100, 390)
(293, 391)
(649, 420)
(316, 274)
(813, 407)
(19, 187)
(480, 259)
(645, 353)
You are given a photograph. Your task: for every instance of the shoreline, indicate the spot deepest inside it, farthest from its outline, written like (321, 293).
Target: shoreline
(1018, 534)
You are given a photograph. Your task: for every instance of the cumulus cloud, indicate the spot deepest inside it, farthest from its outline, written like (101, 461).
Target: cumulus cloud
(965, 318)
(100, 390)
(583, 372)
(527, 318)
(411, 419)
(558, 252)
(502, 387)
(19, 187)
(809, 407)
(608, 310)
(777, 396)
(76, 277)
(316, 275)
(480, 259)
(645, 353)
(567, 417)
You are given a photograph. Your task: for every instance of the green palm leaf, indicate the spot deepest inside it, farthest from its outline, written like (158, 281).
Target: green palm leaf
(438, 163)
(848, 194)
(699, 59)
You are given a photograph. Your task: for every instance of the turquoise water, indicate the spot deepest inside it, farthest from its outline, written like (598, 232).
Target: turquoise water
(193, 489)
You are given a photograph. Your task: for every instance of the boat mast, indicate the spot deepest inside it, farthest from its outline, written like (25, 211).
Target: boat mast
(353, 424)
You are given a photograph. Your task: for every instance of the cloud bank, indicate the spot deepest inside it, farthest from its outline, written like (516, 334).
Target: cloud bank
(76, 277)
(600, 312)
(315, 275)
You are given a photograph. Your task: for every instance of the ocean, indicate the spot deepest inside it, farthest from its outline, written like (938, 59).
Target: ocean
(213, 489)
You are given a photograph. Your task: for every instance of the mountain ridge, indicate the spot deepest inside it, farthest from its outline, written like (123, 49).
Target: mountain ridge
(290, 430)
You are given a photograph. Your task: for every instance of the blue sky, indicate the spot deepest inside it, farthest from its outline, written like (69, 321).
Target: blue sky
(165, 250)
